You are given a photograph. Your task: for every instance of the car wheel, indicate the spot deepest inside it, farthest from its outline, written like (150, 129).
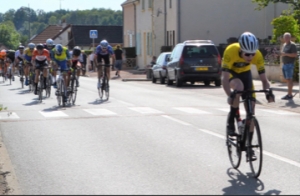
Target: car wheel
(178, 81)
(161, 78)
(169, 82)
(218, 82)
(206, 82)
(153, 79)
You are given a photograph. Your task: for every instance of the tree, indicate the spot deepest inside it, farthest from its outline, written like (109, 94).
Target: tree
(52, 20)
(8, 35)
(285, 23)
(264, 3)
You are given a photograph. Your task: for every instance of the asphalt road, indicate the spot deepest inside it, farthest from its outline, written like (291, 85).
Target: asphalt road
(147, 139)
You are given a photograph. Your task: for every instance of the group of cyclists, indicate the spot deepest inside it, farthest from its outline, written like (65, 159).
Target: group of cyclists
(40, 56)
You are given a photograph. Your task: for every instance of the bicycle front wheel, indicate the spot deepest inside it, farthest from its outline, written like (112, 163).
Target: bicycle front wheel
(234, 149)
(255, 147)
(105, 89)
(48, 88)
(40, 88)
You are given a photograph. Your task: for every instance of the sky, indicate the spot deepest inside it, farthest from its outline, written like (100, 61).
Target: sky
(52, 5)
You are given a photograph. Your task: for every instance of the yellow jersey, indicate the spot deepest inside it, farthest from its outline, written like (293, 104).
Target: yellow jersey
(232, 61)
(28, 54)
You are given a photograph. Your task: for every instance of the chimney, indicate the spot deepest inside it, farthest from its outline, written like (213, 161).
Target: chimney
(63, 23)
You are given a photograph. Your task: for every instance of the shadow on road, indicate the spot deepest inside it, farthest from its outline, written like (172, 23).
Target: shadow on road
(22, 92)
(290, 104)
(245, 185)
(99, 101)
(193, 86)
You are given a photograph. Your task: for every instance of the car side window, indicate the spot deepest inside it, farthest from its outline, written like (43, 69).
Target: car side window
(166, 57)
(173, 54)
(159, 60)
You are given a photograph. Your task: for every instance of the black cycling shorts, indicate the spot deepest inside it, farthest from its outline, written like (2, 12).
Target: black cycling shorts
(246, 78)
(105, 59)
(40, 64)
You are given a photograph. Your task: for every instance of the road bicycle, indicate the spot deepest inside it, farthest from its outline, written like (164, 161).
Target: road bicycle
(72, 93)
(41, 84)
(61, 92)
(21, 73)
(242, 141)
(9, 73)
(31, 77)
(103, 90)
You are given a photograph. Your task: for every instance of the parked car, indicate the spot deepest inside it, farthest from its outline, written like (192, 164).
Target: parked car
(159, 71)
(194, 61)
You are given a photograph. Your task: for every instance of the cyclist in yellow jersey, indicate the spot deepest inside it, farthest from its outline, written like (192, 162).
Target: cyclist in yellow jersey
(236, 73)
(27, 58)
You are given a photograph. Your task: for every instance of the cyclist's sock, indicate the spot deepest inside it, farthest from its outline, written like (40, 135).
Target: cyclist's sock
(45, 82)
(232, 114)
(250, 136)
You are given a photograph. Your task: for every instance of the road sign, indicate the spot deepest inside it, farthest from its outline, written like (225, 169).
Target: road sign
(93, 34)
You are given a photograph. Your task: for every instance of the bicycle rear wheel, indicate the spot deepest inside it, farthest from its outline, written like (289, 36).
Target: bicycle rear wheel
(234, 149)
(59, 93)
(105, 89)
(256, 146)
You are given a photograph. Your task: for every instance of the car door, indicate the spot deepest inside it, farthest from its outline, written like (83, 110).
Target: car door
(173, 63)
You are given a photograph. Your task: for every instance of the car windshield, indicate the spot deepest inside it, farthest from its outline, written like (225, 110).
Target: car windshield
(199, 51)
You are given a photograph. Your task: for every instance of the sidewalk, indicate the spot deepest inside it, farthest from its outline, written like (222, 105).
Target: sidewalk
(280, 89)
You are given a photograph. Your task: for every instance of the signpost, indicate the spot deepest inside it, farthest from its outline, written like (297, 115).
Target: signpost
(93, 35)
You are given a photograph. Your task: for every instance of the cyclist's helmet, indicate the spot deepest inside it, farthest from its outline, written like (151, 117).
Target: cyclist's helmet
(248, 43)
(21, 47)
(40, 47)
(49, 42)
(31, 45)
(58, 49)
(76, 51)
(104, 44)
(2, 53)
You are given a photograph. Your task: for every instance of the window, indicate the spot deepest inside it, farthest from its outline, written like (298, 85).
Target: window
(199, 51)
(170, 3)
(150, 3)
(143, 4)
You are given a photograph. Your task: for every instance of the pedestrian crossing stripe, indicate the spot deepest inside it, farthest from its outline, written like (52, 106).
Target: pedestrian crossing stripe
(191, 110)
(8, 115)
(281, 112)
(51, 114)
(100, 112)
(242, 112)
(145, 110)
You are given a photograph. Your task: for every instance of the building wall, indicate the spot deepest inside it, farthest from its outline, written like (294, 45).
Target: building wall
(218, 20)
(63, 38)
(129, 24)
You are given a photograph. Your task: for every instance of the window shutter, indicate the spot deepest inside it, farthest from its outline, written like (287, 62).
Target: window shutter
(138, 44)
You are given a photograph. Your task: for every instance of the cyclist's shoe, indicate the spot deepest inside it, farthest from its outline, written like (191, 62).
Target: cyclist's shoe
(26, 82)
(252, 156)
(54, 85)
(231, 129)
(77, 83)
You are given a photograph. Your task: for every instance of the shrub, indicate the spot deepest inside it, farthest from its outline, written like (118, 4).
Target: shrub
(130, 52)
(296, 71)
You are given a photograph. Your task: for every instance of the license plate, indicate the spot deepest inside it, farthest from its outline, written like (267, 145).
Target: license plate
(201, 68)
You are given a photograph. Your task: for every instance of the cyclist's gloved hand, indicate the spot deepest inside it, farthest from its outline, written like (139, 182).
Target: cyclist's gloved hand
(270, 96)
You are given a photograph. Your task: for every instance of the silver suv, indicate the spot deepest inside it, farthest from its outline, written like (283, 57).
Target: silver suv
(194, 61)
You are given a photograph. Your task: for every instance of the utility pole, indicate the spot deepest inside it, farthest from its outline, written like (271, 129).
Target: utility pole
(29, 21)
(60, 4)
